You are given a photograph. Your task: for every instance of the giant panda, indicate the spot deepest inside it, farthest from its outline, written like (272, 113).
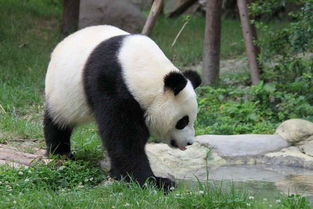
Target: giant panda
(130, 89)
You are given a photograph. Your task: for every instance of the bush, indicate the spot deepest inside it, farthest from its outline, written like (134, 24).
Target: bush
(286, 54)
(287, 90)
(256, 109)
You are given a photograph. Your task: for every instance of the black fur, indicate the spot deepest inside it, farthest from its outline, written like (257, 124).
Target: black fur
(193, 77)
(57, 138)
(119, 116)
(182, 123)
(175, 81)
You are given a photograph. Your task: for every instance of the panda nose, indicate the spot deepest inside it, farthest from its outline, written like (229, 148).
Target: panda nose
(189, 143)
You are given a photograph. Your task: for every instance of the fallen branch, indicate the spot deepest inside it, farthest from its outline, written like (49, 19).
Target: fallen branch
(155, 10)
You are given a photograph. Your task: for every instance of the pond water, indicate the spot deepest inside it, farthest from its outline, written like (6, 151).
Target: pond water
(262, 180)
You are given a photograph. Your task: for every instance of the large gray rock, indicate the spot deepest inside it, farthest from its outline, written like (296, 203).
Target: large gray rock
(307, 148)
(120, 13)
(241, 157)
(167, 162)
(142, 4)
(243, 145)
(174, 163)
(174, 8)
(291, 156)
(295, 130)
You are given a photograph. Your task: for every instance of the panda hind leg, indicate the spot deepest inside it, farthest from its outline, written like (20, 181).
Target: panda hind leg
(57, 138)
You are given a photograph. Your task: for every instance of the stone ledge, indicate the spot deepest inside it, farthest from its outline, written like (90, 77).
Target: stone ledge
(15, 158)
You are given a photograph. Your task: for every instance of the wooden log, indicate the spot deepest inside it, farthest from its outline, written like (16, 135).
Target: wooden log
(16, 157)
(155, 10)
(212, 42)
(248, 34)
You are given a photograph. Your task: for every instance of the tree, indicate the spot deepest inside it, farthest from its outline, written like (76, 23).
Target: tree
(70, 16)
(249, 34)
(212, 41)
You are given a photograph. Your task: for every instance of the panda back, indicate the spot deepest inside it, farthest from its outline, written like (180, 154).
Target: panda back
(64, 93)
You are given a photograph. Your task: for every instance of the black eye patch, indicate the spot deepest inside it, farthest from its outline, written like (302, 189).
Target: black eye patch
(182, 123)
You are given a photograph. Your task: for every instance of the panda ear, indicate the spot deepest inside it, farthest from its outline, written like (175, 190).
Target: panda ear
(175, 81)
(194, 78)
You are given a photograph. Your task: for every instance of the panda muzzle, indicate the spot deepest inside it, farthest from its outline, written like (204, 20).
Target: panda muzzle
(174, 144)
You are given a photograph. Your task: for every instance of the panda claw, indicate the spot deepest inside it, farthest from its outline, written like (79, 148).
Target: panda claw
(167, 185)
(71, 156)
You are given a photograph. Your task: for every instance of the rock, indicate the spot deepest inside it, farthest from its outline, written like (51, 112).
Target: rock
(15, 158)
(290, 156)
(105, 163)
(174, 8)
(27, 145)
(168, 162)
(307, 148)
(295, 130)
(243, 145)
(142, 4)
(120, 13)
(254, 157)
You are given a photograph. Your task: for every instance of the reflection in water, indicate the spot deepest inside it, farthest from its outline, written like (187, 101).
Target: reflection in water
(263, 180)
(297, 184)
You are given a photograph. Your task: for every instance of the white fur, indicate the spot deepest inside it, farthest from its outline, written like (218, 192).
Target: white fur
(64, 89)
(167, 109)
(144, 67)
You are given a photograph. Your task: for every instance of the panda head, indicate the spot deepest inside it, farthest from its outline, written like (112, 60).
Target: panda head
(173, 112)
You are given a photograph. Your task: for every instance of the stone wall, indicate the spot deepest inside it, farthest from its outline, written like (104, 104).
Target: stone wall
(121, 13)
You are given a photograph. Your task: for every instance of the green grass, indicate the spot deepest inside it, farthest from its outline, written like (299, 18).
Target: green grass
(76, 185)
(188, 48)
(29, 29)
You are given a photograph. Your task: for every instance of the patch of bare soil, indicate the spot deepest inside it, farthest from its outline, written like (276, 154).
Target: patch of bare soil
(227, 66)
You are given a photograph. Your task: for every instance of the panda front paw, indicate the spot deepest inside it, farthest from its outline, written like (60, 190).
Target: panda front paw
(165, 184)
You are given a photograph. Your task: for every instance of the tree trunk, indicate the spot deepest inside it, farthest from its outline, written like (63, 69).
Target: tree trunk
(212, 41)
(255, 38)
(70, 16)
(155, 10)
(249, 34)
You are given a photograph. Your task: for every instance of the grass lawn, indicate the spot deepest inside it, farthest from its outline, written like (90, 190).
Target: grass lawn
(76, 185)
(28, 32)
